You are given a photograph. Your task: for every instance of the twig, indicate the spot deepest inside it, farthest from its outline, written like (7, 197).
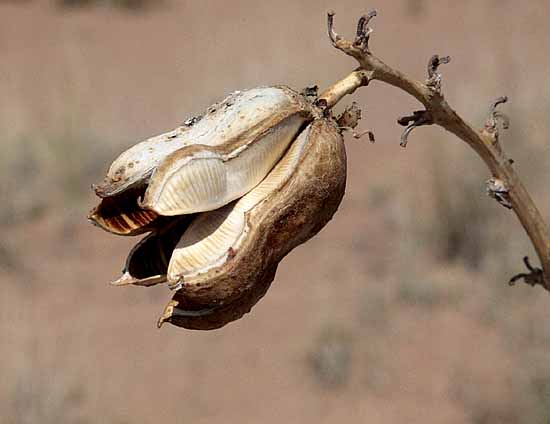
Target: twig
(510, 191)
(434, 78)
(417, 119)
(345, 86)
(533, 277)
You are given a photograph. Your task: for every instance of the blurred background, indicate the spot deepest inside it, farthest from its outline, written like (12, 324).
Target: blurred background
(398, 311)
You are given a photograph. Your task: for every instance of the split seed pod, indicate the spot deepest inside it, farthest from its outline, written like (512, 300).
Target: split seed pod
(225, 199)
(220, 276)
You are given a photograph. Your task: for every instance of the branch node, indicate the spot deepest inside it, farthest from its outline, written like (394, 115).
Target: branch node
(434, 78)
(498, 190)
(417, 119)
(363, 33)
(534, 277)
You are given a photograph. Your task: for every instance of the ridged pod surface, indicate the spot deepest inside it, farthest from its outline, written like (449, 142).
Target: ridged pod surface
(203, 165)
(226, 259)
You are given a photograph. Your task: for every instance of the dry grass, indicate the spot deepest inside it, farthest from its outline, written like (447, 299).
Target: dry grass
(330, 358)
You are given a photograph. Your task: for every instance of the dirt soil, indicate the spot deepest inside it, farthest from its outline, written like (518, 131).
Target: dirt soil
(364, 323)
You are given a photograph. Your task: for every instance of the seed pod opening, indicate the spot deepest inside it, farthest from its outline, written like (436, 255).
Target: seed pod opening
(227, 258)
(147, 262)
(122, 215)
(213, 237)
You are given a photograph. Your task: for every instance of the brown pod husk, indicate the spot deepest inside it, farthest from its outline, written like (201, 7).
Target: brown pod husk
(182, 312)
(297, 207)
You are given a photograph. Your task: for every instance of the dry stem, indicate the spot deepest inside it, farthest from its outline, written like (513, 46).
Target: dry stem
(505, 185)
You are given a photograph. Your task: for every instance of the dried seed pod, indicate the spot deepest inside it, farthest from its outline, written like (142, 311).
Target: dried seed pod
(227, 258)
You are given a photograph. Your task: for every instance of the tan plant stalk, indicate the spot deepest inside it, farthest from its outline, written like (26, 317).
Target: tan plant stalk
(505, 185)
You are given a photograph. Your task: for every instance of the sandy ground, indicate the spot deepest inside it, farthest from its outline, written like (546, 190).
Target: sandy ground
(364, 323)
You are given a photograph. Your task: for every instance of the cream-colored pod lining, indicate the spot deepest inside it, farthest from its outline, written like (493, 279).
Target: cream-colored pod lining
(211, 236)
(195, 180)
